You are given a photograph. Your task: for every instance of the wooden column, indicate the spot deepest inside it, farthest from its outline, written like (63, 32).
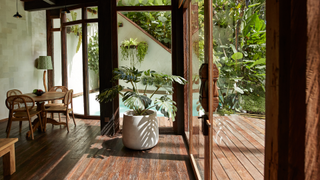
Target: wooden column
(85, 63)
(64, 61)
(50, 49)
(109, 113)
(292, 85)
(178, 63)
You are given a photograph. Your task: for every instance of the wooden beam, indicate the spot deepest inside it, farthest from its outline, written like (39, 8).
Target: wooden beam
(109, 114)
(50, 48)
(64, 61)
(41, 5)
(51, 2)
(85, 67)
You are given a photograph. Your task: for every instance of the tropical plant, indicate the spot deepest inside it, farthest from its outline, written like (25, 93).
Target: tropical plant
(76, 29)
(93, 53)
(141, 102)
(133, 50)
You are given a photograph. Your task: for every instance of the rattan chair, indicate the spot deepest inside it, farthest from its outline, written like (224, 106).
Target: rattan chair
(52, 103)
(66, 108)
(21, 108)
(13, 92)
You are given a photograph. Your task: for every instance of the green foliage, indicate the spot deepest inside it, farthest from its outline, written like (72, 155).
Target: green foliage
(156, 23)
(254, 103)
(133, 51)
(93, 53)
(140, 103)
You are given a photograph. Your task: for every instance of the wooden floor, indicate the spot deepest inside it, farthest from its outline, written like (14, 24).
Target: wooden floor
(84, 154)
(238, 148)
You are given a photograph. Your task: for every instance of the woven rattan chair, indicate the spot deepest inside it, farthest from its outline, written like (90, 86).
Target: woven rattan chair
(13, 92)
(21, 108)
(66, 108)
(52, 103)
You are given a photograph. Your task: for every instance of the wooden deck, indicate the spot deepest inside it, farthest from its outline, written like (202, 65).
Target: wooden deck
(84, 154)
(238, 148)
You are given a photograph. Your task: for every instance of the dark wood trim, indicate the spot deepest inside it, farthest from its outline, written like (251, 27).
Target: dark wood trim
(40, 5)
(190, 93)
(71, 23)
(64, 62)
(114, 58)
(50, 48)
(186, 4)
(85, 62)
(55, 29)
(55, 13)
(208, 59)
(178, 64)
(186, 68)
(143, 8)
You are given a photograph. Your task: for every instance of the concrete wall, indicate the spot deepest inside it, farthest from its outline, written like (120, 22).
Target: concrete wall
(22, 41)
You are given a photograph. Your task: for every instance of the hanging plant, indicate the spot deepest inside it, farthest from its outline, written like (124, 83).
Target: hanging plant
(142, 49)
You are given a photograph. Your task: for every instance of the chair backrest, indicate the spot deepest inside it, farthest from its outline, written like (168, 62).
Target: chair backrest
(25, 103)
(58, 89)
(68, 98)
(13, 92)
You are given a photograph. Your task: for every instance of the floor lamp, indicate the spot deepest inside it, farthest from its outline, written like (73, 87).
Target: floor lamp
(45, 63)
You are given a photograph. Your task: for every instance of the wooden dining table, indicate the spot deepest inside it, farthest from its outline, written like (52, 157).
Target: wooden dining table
(40, 101)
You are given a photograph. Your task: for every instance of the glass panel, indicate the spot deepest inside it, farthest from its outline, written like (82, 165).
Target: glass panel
(157, 57)
(197, 32)
(75, 67)
(57, 59)
(74, 15)
(143, 2)
(56, 23)
(92, 12)
(93, 64)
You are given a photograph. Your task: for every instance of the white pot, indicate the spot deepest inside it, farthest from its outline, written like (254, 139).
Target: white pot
(140, 132)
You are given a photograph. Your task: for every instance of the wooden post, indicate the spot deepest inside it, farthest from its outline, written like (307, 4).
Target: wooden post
(85, 62)
(50, 49)
(64, 64)
(292, 90)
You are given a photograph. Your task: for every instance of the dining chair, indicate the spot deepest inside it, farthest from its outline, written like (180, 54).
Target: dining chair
(66, 108)
(13, 92)
(21, 108)
(52, 103)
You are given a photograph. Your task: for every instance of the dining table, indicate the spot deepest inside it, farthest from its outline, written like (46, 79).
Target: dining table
(40, 101)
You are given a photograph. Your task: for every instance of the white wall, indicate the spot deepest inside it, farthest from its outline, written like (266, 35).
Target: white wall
(157, 58)
(22, 41)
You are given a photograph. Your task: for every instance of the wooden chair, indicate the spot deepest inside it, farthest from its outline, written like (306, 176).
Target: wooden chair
(65, 108)
(13, 92)
(52, 103)
(21, 108)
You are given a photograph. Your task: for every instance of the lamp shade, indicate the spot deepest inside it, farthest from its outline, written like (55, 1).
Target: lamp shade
(44, 62)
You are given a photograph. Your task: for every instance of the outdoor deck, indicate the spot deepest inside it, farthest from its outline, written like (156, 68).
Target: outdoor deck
(238, 148)
(84, 153)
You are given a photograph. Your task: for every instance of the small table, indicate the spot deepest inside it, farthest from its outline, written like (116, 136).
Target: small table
(7, 151)
(48, 96)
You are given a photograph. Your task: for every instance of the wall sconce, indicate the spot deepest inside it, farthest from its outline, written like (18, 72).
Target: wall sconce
(17, 15)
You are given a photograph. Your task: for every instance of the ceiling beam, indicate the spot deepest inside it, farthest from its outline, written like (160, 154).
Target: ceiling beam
(51, 2)
(42, 5)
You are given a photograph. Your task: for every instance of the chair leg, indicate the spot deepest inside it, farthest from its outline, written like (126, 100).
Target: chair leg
(9, 127)
(30, 127)
(67, 120)
(40, 121)
(52, 116)
(20, 126)
(74, 121)
(59, 118)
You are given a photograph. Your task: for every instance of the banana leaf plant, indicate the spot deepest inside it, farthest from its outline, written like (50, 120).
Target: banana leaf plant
(137, 100)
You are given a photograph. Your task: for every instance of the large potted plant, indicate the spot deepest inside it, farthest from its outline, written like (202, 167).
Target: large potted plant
(140, 126)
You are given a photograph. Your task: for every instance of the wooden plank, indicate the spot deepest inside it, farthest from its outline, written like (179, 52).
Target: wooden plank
(257, 127)
(186, 68)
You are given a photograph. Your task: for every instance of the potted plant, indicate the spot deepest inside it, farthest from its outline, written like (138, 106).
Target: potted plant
(133, 51)
(140, 125)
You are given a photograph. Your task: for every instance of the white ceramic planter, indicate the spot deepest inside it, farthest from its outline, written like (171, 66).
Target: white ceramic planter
(140, 132)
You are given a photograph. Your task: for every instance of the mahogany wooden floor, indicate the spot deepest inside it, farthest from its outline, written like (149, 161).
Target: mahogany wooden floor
(238, 149)
(84, 154)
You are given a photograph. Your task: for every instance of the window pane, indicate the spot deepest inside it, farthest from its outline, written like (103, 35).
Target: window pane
(92, 12)
(74, 15)
(57, 58)
(93, 65)
(143, 3)
(56, 23)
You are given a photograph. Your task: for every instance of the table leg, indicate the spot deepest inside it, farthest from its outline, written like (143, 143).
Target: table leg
(9, 161)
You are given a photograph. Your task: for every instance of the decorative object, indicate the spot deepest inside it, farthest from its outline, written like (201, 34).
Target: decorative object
(120, 24)
(133, 51)
(38, 92)
(45, 63)
(140, 126)
(17, 15)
